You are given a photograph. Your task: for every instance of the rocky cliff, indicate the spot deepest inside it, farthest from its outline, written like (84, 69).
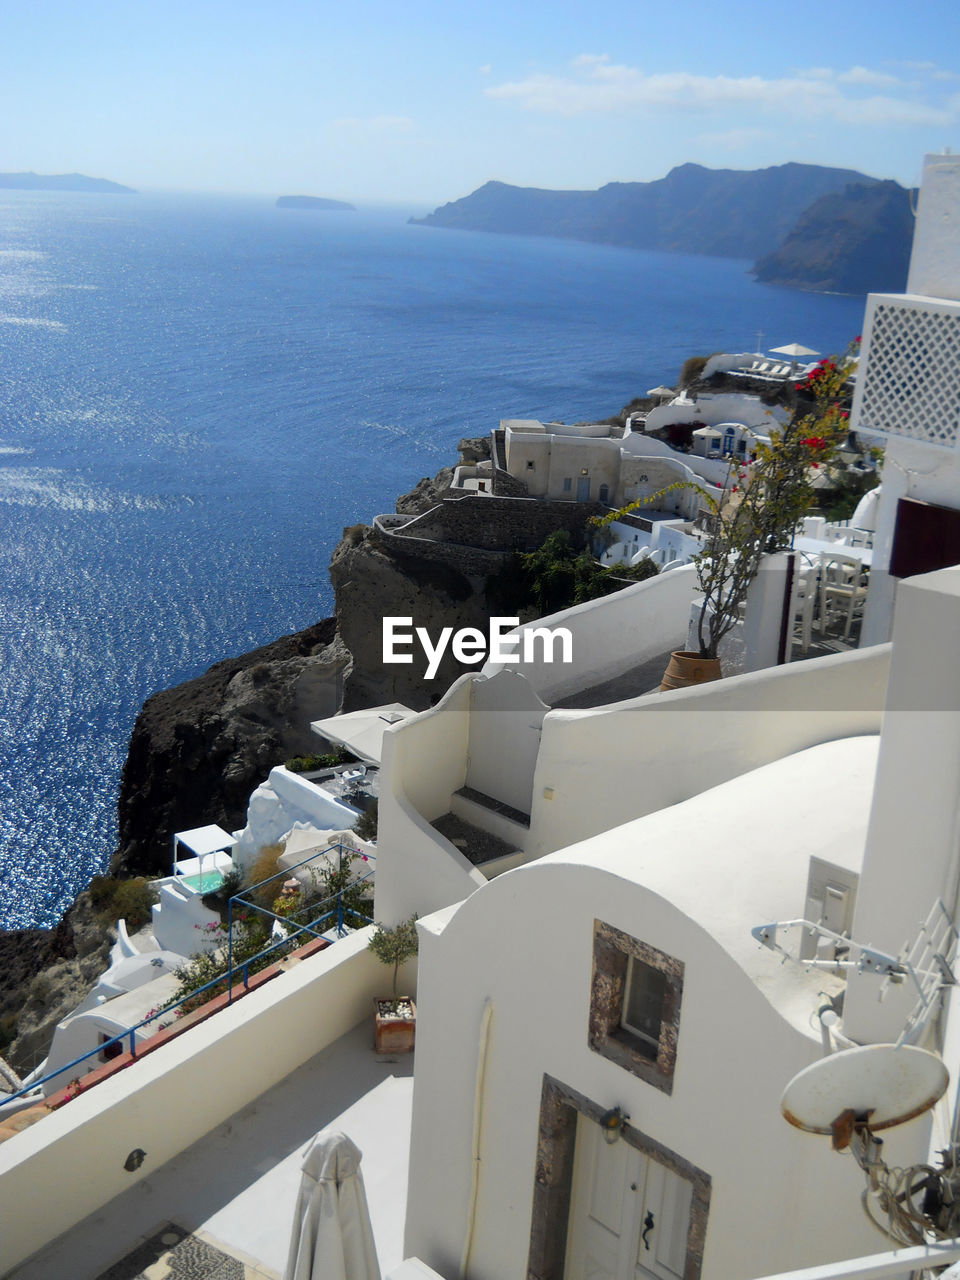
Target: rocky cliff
(199, 749)
(724, 212)
(853, 241)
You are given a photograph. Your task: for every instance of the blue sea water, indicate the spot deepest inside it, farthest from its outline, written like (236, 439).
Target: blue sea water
(198, 394)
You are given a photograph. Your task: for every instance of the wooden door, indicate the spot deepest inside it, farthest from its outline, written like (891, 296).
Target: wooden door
(629, 1214)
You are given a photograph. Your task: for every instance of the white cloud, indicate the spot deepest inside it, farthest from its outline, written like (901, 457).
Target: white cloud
(596, 85)
(855, 75)
(485, 70)
(863, 75)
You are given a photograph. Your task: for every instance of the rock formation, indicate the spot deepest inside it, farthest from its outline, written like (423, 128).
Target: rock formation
(854, 241)
(724, 212)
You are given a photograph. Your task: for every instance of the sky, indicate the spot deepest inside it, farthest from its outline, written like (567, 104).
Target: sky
(421, 102)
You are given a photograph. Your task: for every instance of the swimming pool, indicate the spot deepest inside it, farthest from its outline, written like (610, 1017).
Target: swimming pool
(203, 882)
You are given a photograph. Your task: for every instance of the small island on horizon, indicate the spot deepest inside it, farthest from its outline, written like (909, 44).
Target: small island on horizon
(315, 202)
(62, 182)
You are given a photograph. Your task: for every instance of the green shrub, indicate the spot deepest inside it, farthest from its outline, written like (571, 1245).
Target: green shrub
(553, 577)
(251, 934)
(367, 824)
(8, 1030)
(693, 367)
(638, 572)
(307, 764)
(119, 898)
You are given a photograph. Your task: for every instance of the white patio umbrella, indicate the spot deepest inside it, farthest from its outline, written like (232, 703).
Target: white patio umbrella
(795, 350)
(332, 1238)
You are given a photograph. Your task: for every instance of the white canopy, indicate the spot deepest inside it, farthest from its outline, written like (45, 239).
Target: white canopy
(662, 391)
(332, 1238)
(362, 731)
(794, 349)
(203, 840)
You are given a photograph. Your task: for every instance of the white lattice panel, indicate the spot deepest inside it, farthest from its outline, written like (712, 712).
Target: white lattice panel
(910, 370)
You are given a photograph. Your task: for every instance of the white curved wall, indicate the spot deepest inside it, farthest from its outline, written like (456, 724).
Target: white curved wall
(424, 761)
(600, 768)
(611, 635)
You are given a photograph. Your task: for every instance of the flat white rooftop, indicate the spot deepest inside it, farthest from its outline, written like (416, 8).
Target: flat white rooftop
(236, 1188)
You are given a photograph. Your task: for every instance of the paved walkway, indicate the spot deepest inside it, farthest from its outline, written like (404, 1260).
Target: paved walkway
(631, 684)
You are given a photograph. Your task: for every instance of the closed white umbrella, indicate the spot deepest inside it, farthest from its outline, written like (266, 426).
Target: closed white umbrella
(332, 1237)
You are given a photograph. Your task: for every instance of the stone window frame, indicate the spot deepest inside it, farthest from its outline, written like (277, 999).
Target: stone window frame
(553, 1183)
(612, 951)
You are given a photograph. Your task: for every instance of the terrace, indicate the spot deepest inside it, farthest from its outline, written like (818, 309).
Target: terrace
(222, 1115)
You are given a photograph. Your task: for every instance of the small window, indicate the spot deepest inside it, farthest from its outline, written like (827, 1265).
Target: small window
(567, 484)
(530, 464)
(635, 1005)
(642, 1012)
(604, 492)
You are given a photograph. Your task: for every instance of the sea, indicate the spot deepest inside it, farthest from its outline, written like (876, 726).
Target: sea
(197, 394)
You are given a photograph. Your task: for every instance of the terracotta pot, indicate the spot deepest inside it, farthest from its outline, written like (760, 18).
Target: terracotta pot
(394, 1027)
(686, 668)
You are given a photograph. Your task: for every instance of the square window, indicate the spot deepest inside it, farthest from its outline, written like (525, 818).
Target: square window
(635, 1005)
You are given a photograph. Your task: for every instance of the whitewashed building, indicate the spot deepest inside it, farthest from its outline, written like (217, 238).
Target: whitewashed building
(613, 976)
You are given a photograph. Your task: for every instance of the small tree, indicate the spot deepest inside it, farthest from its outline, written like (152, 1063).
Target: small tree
(395, 945)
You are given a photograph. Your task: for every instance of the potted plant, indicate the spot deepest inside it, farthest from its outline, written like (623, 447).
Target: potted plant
(395, 1016)
(757, 511)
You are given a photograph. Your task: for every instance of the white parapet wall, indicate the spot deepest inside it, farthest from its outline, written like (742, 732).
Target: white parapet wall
(600, 768)
(424, 763)
(610, 635)
(60, 1170)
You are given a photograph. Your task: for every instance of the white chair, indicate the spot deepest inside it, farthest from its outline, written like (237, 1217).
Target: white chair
(843, 589)
(803, 604)
(860, 538)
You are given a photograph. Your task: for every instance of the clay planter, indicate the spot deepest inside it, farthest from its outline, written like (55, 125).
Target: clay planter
(686, 668)
(395, 1024)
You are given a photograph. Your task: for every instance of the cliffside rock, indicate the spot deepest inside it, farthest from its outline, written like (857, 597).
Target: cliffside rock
(370, 585)
(68, 960)
(854, 241)
(199, 749)
(425, 494)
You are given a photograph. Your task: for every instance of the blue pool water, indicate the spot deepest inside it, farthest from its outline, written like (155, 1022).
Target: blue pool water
(198, 394)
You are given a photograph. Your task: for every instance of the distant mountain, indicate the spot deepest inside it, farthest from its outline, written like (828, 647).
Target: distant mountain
(61, 182)
(313, 202)
(724, 212)
(853, 241)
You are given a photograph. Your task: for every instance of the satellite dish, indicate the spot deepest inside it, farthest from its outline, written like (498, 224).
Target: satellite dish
(876, 1085)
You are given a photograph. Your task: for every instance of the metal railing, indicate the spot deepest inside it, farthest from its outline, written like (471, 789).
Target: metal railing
(228, 978)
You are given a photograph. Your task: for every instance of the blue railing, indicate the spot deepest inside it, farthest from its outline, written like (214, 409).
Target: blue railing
(231, 972)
